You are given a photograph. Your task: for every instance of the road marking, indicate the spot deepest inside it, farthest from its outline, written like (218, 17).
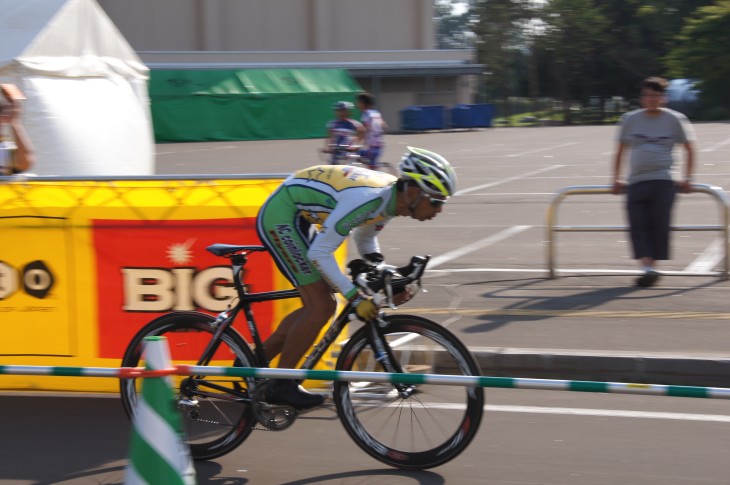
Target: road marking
(573, 313)
(573, 271)
(542, 149)
(709, 258)
(716, 145)
(509, 179)
(488, 241)
(611, 413)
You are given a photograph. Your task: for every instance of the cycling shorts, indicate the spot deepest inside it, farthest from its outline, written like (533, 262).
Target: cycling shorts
(287, 235)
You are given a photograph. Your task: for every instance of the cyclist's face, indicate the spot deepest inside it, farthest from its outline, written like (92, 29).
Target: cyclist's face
(427, 206)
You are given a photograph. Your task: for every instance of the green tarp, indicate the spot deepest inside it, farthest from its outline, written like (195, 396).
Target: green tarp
(246, 104)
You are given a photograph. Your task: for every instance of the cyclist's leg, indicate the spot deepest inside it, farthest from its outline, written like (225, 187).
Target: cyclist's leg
(286, 235)
(301, 327)
(318, 305)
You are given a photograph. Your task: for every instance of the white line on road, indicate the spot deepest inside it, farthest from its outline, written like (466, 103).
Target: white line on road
(593, 271)
(509, 179)
(716, 145)
(612, 413)
(608, 413)
(709, 258)
(488, 241)
(542, 149)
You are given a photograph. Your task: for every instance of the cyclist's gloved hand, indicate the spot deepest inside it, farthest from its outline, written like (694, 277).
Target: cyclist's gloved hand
(374, 257)
(358, 266)
(365, 308)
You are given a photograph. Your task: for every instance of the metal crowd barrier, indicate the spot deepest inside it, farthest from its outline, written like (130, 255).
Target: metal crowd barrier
(552, 213)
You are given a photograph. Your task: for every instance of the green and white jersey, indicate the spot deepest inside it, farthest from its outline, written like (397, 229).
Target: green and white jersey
(338, 199)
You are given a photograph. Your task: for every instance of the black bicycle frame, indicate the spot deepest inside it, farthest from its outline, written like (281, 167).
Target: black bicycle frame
(384, 354)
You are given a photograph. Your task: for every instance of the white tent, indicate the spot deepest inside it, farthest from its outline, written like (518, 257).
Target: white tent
(87, 111)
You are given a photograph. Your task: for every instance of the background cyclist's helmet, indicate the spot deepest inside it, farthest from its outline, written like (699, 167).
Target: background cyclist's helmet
(343, 105)
(429, 170)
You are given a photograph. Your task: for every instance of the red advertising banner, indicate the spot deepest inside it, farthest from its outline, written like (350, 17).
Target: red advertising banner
(148, 268)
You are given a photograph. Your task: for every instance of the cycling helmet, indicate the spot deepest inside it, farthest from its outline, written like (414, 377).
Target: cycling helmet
(343, 105)
(429, 170)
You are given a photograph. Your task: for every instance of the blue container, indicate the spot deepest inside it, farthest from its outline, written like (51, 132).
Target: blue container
(421, 118)
(472, 115)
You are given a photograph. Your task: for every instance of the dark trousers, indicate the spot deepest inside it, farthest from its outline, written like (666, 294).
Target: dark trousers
(649, 207)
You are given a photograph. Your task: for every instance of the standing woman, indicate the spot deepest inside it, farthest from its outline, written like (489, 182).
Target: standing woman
(650, 134)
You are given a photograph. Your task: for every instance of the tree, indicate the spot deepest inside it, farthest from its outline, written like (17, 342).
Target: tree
(500, 43)
(570, 46)
(452, 29)
(702, 53)
(639, 34)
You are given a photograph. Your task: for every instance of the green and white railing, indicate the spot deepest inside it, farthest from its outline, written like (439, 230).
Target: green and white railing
(325, 375)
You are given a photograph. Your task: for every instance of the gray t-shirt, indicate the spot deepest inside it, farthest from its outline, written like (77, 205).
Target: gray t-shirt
(651, 140)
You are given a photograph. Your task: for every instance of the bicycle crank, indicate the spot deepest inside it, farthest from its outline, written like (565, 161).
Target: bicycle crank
(274, 417)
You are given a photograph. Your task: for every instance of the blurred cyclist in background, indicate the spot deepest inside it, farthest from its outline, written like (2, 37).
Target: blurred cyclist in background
(375, 126)
(342, 133)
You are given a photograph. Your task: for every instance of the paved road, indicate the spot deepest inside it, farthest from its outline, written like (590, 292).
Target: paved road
(489, 281)
(527, 438)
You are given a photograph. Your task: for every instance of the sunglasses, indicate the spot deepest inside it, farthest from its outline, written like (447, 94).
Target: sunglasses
(436, 202)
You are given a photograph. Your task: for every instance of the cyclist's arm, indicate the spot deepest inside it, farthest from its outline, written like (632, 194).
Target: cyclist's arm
(359, 132)
(348, 215)
(329, 139)
(366, 239)
(322, 256)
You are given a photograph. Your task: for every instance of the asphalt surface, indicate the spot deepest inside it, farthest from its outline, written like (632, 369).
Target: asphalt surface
(489, 282)
(526, 438)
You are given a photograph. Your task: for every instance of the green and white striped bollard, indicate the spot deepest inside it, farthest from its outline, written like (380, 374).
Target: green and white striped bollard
(158, 453)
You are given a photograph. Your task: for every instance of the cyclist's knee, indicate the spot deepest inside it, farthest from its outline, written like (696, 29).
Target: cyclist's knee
(323, 307)
(319, 302)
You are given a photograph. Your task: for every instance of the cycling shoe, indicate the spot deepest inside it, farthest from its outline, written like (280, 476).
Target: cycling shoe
(288, 392)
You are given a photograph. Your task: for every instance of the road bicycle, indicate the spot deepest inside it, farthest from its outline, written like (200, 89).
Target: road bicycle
(408, 426)
(344, 154)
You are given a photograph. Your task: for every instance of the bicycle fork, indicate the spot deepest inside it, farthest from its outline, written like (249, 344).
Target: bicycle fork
(385, 355)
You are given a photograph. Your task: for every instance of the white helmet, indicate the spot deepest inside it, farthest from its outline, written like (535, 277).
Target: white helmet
(429, 170)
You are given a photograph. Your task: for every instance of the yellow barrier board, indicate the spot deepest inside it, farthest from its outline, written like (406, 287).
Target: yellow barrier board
(85, 264)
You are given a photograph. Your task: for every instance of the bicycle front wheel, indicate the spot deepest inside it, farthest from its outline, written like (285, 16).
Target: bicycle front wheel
(216, 411)
(413, 426)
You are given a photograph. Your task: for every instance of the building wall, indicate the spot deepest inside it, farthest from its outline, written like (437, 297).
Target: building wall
(274, 25)
(382, 34)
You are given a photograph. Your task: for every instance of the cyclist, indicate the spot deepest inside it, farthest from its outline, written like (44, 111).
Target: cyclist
(342, 131)
(331, 201)
(375, 126)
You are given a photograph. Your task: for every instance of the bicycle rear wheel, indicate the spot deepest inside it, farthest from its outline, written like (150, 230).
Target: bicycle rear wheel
(216, 411)
(425, 425)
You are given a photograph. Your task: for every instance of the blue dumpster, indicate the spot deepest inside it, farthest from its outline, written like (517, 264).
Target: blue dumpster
(421, 118)
(472, 115)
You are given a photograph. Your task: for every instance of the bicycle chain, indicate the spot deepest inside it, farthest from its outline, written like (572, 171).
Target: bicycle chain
(258, 426)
